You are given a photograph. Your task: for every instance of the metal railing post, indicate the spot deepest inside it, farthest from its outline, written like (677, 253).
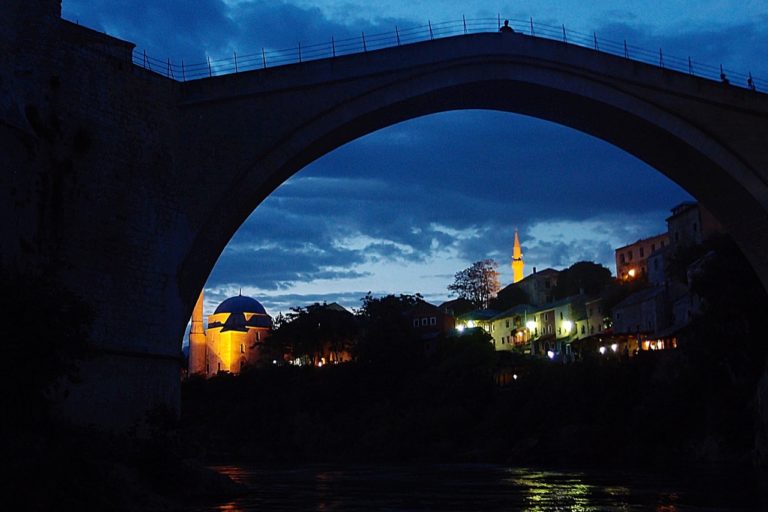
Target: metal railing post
(690, 66)
(365, 48)
(235, 54)
(626, 51)
(597, 46)
(170, 71)
(532, 32)
(661, 59)
(397, 35)
(565, 38)
(210, 72)
(465, 23)
(333, 46)
(431, 35)
(263, 58)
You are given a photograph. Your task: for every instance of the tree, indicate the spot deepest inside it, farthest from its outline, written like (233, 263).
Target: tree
(317, 331)
(479, 283)
(388, 339)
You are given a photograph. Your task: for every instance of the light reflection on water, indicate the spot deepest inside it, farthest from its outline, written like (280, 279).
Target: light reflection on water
(481, 488)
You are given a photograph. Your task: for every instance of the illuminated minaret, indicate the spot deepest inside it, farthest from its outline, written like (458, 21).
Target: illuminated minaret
(517, 261)
(197, 339)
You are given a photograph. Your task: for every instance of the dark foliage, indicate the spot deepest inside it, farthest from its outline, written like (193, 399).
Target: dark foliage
(311, 331)
(388, 339)
(693, 404)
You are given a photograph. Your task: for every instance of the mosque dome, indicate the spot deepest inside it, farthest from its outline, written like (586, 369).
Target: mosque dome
(240, 304)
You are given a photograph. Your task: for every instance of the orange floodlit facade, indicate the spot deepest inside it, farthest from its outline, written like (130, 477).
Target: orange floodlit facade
(234, 337)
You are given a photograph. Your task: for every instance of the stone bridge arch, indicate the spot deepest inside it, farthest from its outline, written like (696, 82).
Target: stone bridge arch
(701, 134)
(126, 185)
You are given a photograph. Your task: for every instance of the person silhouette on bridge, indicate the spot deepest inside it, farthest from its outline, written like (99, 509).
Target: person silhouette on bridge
(506, 27)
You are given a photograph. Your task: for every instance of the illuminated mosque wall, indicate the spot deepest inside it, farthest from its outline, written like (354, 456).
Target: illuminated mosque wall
(233, 340)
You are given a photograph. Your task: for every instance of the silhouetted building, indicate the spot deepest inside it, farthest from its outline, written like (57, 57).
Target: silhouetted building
(691, 224)
(632, 259)
(539, 286)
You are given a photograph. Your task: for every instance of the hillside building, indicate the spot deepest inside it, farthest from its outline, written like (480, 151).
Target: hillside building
(632, 259)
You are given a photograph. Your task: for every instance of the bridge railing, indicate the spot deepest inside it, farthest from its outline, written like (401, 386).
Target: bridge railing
(269, 58)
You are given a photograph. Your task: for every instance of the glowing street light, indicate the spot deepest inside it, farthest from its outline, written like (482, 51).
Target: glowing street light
(567, 325)
(550, 354)
(615, 347)
(531, 325)
(601, 350)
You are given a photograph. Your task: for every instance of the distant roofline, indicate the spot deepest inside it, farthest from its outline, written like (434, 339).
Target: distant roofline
(682, 207)
(648, 239)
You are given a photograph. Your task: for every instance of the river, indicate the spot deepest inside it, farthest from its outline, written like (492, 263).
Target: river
(459, 487)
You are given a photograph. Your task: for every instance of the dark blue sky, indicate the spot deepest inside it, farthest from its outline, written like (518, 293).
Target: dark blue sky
(403, 209)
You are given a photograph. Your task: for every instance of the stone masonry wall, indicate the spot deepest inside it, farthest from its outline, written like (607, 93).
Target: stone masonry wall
(87, 164)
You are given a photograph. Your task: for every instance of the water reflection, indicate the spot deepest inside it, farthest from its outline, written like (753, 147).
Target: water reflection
(480, 488)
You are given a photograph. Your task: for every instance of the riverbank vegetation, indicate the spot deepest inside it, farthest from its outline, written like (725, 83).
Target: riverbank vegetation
(696, 403)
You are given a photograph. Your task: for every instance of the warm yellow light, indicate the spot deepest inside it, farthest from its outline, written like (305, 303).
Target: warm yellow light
(471, 324)
(631, 272)
(567, 325)
(530, 324)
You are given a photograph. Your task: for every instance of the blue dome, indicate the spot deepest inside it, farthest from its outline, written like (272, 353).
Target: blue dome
(240, 304)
